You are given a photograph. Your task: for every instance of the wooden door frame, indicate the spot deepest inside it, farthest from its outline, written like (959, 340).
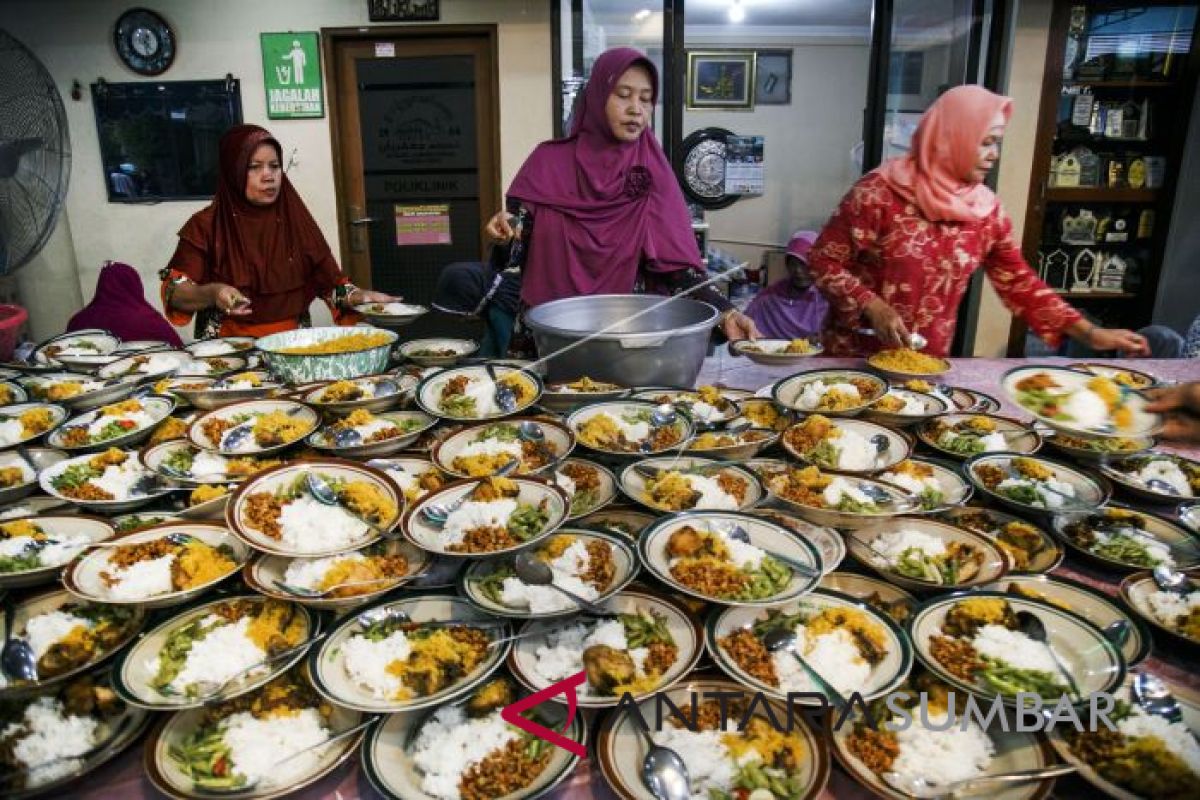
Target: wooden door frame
(489, 201)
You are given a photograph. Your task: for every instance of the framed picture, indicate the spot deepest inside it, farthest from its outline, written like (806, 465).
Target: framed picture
(720, 79)
(773, 78)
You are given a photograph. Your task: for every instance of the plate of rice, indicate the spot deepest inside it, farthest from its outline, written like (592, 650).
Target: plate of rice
(222, 346)
(497, 515)
(1147, 756)
(44, 738)
(162, 566)
(469, 751)
(590, 564)
(762, 412)
(705, 406)
(972, 642)
(1099, 449)
(184, 463)
(653, 643)
(854, 647)
(107, 482)
(698, 554)
(566, 395)
(1124, 376)
(68, 637)
(849, 446)
(22, 423)
(213, 652)
(1082, 600)
(402, 655)
(351, 578)
(205, 751)
(1029, 547)
(274, 425)
(210, 393)
(829, 543)
(416, 477)
(374, 393)
(437, 352)
(19, 470)
(964, 435)
(733, 446)
(590, 486)
(121, 424)
(1125, 539)
(78, 350)
(377, 434)
(1176, 613)
(1035, 484)
(777, 352)
(469, 393)
(903, 408)
(879, 594)
(143, 367)
(34, 549)
(76, 391)
(722, 764)
(920, 752)
(832, 392)
(275, 512)
(212, 366)
(481, 450)
(838, 501)
(923, 554)
(1175, 478)
(391, 315)
(688, 483)
(935, 485)
(905, 363)
(1077, 402)
(623, 428)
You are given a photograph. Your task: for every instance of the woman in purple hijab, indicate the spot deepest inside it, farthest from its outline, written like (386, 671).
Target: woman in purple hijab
(792, 307)
(605, 212)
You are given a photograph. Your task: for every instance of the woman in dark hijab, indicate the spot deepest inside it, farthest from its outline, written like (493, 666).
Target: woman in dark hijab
(120, 306)
(253, 261)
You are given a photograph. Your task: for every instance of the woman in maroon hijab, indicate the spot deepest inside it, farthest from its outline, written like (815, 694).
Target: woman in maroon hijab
(253, 261)
(120, 306)
(606, 212)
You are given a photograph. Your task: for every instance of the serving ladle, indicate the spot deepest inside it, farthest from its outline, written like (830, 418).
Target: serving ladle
(783, 639)
(503, 395)
(1032, 626)
(533, 572)
(16, 659)
(740, 534)
(438, 513)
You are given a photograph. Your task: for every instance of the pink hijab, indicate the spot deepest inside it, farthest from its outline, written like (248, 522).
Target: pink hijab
(936, 173)
(601, 207)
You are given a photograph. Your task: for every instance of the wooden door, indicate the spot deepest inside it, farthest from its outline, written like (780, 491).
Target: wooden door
(415, 135)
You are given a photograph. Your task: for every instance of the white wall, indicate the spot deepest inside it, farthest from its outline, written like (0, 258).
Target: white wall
(73, 39)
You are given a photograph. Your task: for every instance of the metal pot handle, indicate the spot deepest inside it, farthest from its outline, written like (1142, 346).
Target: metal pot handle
(643, 344)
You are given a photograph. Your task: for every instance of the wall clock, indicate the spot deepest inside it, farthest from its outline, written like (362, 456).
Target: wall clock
(144, 41)
(702, 168)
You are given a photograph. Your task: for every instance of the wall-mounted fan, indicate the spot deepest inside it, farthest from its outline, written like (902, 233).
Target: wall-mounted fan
(35, 155)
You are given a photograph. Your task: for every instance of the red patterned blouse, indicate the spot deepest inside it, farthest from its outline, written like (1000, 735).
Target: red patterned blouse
(877, 244)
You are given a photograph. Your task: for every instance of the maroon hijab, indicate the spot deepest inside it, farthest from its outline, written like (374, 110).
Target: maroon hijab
(267, 252)
(601, 207)
(120, 306)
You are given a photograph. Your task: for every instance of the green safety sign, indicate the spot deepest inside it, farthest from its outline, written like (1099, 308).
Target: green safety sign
(292, 75)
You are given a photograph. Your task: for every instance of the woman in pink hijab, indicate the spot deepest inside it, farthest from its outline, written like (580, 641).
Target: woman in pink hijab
(606, 214)
(899, 251)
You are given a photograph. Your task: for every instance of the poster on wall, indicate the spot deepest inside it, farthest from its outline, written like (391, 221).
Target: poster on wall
(422, 224)
(292, 75)
(744, 165)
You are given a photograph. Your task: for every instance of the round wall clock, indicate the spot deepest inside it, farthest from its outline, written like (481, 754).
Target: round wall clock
(144, 41)
(702, 168)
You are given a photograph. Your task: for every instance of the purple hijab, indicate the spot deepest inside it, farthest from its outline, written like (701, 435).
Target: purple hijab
(601, 207)
(781, 311)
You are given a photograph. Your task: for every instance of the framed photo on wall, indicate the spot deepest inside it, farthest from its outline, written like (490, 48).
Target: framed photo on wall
(720, 79)
(773, 78)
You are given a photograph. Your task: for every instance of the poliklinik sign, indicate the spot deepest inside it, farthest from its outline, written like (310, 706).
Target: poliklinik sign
(292, 75)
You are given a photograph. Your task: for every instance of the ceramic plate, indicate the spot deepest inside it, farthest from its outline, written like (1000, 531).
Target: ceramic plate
(1082, 600)
(429, 393)
(829, 543)
(12, 413)
(213, 366)
(134, 672)
(143, 367)
(881, 595)
(532, 491)
(1142, 540)
(85, 576)
(869, 546)
(96, 394)
(781, 488)
(493, 440)
(1131, 475)
(623, 520)
(212, 468)
(482, 583)
(590, 486)
(288, 477)
(787, 392)
(707, 471)
(49, 475)
(655, 547)
(918, 407)
(327, 664)
(773, 352)
(701, 413)
(411, 424)
(1090, 491)
(1092, 449)
(75, 531)
(762, 412)
(12, 392)
(155, 408)
(679, 624)
(227, 390)
(743, 445)
(265, 573)
(620, 750)
(222, 346)
(897, 446)
(1029, 547)
(199, 432)
(391, 315)
(945, 487)
(1094, 663)
(884, 676)
(87, 349)
(378, 393)
(630, 413)
(969, 439)
(1139, 591)
(437, 352)
(128, 621)
(1122, 375)
(563, 397)
(30, 463)
(1079, 417)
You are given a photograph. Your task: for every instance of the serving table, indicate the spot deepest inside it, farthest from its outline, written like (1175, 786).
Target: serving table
(124, 777)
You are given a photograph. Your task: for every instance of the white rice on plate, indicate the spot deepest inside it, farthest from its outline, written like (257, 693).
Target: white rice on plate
(1168, 472)
(889, 548)
(834, 656)
(307, 525)
(214, 347)
(11, 432)
(141, 580)
(1014, 649)
(366, 663)
(565, 569)
(308, 573)
(62, 549)
(561, 655)
(710, 764)
(840, 488)
(913, 483)
(45, 630)
(260, 749)
(475, 514)
(942, 756)
(1050, 492)
(450, 744)
(1169, 607)
(225, 652)
(1175, 736)
(711, 495)
(814, 391)
(47, 733)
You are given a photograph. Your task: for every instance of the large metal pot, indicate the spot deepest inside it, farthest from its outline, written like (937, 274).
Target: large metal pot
(665, 347)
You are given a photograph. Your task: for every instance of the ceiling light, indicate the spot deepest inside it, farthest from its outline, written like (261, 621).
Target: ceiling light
(641, 15)
(736, 12)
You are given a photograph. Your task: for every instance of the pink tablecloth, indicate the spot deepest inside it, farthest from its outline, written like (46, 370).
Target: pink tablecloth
(123, 778)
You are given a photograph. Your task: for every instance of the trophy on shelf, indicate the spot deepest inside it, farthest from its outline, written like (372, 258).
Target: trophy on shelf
(1079, 229)
(1084, 269)
(1112, 274)
(1057, 268)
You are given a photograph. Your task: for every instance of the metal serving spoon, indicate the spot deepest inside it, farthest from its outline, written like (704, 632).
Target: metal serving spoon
(781, 639)
(175, 537)
(663, 771)
(1153, 696)
(315, 594)
(503, 394)
(233, 438)
(925, 790)
(324, 494)
(16, 659)
(530, 431)
(533, 572)
(740, 534)
(437, 513)
(1170, 580)
(1032, 626)
(662, 416)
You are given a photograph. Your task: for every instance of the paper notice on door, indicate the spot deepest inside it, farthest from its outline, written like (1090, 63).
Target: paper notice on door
(385, 49)
(424, 224)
